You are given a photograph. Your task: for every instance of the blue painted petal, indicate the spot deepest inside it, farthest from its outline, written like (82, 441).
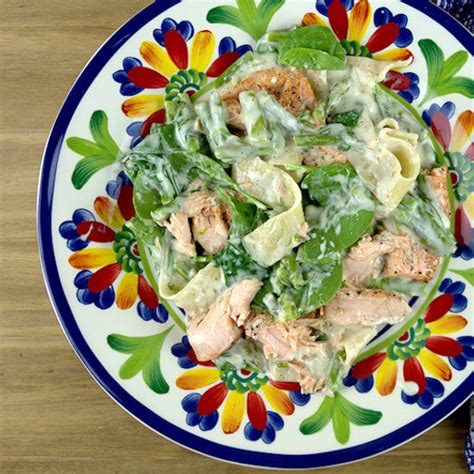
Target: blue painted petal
(466, 340)
(299, 398)
(68, 230)
(130, 89)
(168, 24)
(159, 37)
(435, 387)
(268, 435)
(426, 117)
(404, 38)
(185, 341)
(226, 45)
(459, 303)
(409, 399)
(179, 350)
(106, 298)
(457, 288)
(190, 402)
(458, 362)
(445, 284)
(186, 29)
(349, 381)
(448, 109)
(82, 279)
(413, 90)
(365, 385)
(382, 16)
(401, 20)
(251, 433)
(406, 96)
(85, 296)
(243, 49)
(186, 363)
(414, 79)
(275, 420)
(82, 215)
(134, 129)
(120, 76)
(77, 244)
(193, 419)
(209, 421)
(124, 179)
(162, 314)
(348, 4)
(130, 63)
(322, 6)
(144, 312)
(425, 400)
(135, 141)
(468, 352)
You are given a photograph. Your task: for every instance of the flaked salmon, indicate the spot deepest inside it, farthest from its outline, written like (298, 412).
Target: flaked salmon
(213, 333)
(367, 307)
(436, 179)
(178, 225)
(290, 87)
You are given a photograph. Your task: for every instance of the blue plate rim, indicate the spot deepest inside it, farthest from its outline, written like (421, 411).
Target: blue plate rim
(97, 370)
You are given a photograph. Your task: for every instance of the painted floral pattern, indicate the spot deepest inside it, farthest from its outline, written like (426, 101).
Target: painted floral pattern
(415, 367)
(100, 267)
(453, 141)
(420, 350)
(172, 66)
(240, 392)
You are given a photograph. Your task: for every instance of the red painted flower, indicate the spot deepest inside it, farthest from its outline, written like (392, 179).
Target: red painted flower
(350, 22)
(422, 347)
(174, 68)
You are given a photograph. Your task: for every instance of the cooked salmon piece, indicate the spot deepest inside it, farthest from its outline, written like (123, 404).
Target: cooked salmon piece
(178, 225)
(323, 155)
(392, 255)
(290, 87)
(414, 262)
(198, 202)
(213, 333)
(365, 259)
(367, 307)
(436, 179)
(242, 295)
(281, 341)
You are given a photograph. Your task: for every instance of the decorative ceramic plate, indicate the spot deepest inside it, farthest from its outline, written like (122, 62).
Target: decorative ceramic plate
(407, 380)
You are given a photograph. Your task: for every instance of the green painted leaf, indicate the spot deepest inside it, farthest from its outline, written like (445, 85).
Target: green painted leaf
(145, 357)
(434, 59)
(268, 8)
(340, 424)
(84, 147)
(100, 133)
(247, 17)
(356, 414)
(87, 167)
(453, 64)
(311, 59)
(460, 85)
(319, 419)
(226, 14)
(468, 274)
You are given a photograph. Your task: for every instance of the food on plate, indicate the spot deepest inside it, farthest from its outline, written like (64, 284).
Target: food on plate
(291, 208)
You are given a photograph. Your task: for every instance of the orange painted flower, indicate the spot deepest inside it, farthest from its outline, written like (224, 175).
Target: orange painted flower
(237, 392)
(421, 350)
(100, 267)
(173, 66)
